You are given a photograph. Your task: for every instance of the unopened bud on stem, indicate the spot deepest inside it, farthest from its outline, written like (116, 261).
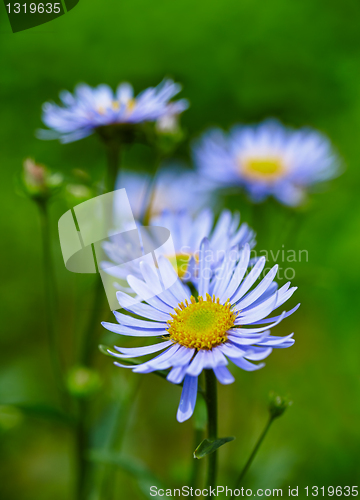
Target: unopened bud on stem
(278, 404)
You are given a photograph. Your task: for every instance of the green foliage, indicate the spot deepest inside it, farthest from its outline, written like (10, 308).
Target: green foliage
(208, 446)
(142, 474)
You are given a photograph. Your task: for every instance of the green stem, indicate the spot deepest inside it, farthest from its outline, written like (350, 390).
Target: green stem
(113, 162)
(195, 470)
(211, 404)
(93, 325)
(89, 343)
(81, 446)
(255, 450)
(285, 222)
(150, 194)
(50, 298)
(120, 431)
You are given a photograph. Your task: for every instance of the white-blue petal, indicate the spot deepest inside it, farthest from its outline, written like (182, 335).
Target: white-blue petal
(126, 330)
(223, 375)
(142, 351)
(188, 399)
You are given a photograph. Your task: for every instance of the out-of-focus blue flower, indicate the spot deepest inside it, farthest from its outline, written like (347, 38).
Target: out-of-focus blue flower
(187, 231)
(89, 108)
(267, 159)
(172, 189)
(223, 323)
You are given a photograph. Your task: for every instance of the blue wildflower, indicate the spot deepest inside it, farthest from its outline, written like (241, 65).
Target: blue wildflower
(90, 108)
(174, 188)
(223, 323)
(187, 232)
(268, 159)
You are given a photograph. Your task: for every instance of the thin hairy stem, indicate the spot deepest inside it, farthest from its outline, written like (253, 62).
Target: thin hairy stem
(89, 340)
(253, 453)
(51, 308)
(211, 404)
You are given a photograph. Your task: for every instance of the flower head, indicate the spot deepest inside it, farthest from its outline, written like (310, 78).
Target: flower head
(187, 232)
(91, 108)
(267, 160)
(223, 323)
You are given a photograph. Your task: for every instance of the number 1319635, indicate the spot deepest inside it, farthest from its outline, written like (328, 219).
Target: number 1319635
(32, 8)
(330, 491)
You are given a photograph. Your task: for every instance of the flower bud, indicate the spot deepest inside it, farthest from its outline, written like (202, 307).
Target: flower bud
(34, 174)
(168, 124)
(77, 193)
(82, 382)
(167, 134)
(38, 182)
(278, 404)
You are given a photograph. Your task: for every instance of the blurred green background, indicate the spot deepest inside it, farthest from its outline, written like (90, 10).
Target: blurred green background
(238, 61)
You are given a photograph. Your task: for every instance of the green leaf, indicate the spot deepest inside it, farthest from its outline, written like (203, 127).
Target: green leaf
(40, 410)
(144, 476)
(210, 445)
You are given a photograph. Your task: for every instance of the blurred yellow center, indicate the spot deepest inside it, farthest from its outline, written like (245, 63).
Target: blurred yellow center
(115, 106)
(269, 168)
(180, 263)
(202, 324)
(130, 105)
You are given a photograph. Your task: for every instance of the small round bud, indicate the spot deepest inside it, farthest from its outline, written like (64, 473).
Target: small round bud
(34, 174)
(77, 193)
(167, 135)
(168, 124)
(38, 182)
(278, 404)
(83, 382)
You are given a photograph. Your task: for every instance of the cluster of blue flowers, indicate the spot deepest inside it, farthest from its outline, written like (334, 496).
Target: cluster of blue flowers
(268, 159)
(205, 304)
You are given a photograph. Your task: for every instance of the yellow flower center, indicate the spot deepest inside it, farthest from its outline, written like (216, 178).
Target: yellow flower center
(202, 324)
(115, 106)
(180, 262)
(267, 168)
(130, 105)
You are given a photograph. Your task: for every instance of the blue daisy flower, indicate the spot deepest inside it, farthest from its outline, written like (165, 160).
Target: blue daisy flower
(187, 232)
(90, 108)
(174, 188)
(268, 159)
(225, 322)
